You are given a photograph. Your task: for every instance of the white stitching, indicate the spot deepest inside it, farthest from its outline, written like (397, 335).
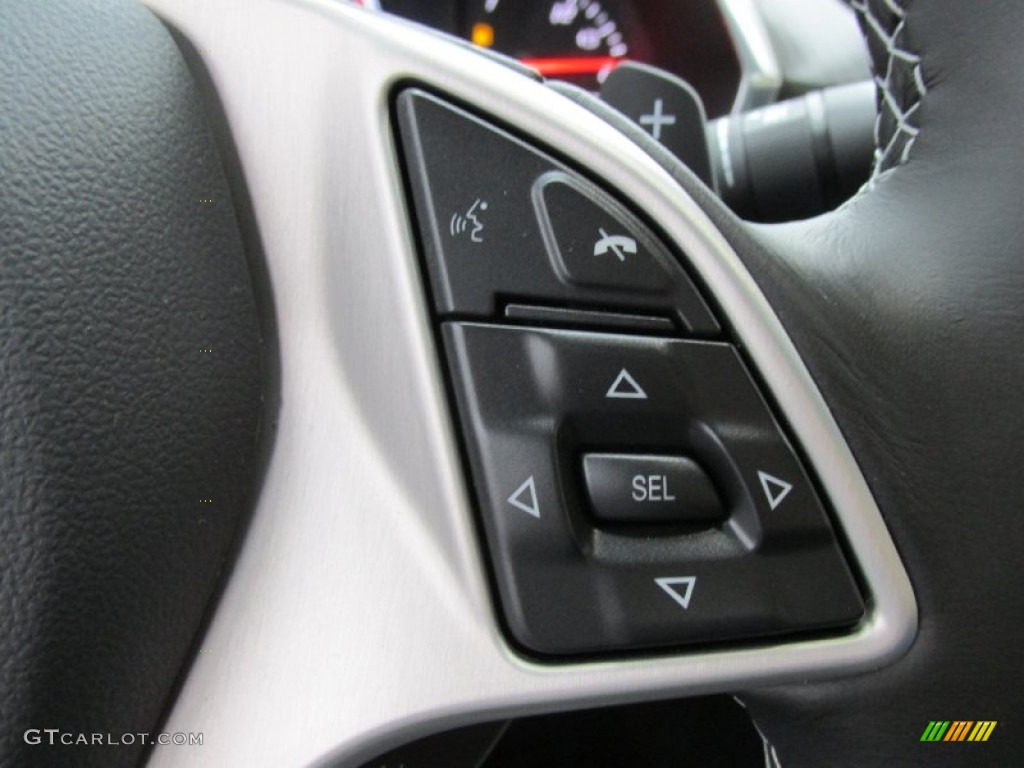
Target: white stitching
(771, 757)
(906, 130)
(919, 81)
(895, 8)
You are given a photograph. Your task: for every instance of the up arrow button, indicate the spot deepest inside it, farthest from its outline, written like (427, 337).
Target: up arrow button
(625, 388)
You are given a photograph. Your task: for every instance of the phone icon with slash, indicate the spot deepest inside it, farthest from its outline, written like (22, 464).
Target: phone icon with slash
(620, 245)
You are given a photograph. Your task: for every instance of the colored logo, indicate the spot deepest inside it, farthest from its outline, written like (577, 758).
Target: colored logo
(958, 730)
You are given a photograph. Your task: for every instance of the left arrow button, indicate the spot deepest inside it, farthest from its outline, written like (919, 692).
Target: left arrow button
(525, 498)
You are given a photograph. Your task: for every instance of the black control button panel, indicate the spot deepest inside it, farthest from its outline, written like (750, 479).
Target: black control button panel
(532, 402)
(502, 221)
(643, 489)
(634, 488)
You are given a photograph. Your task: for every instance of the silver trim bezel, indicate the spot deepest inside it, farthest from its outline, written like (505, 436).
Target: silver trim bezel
(358, 613)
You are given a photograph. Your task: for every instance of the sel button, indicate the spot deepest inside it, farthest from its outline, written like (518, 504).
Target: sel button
(638, 489)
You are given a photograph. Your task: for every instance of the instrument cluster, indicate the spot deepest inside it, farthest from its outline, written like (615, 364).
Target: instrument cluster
(581, 41)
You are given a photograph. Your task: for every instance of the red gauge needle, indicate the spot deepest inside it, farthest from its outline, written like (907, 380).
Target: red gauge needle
(572, 65)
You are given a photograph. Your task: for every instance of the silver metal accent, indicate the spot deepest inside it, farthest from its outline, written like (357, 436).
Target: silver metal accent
(358, 615)
(760, 74)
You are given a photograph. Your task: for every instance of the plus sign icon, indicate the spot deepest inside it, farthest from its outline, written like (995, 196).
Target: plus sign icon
(657, 119)
(668, 109)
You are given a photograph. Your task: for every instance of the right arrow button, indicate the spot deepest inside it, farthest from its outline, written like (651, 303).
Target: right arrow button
(775, 489)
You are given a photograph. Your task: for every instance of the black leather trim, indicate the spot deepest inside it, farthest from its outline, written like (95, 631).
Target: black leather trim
(906, 305)
(114, 424)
